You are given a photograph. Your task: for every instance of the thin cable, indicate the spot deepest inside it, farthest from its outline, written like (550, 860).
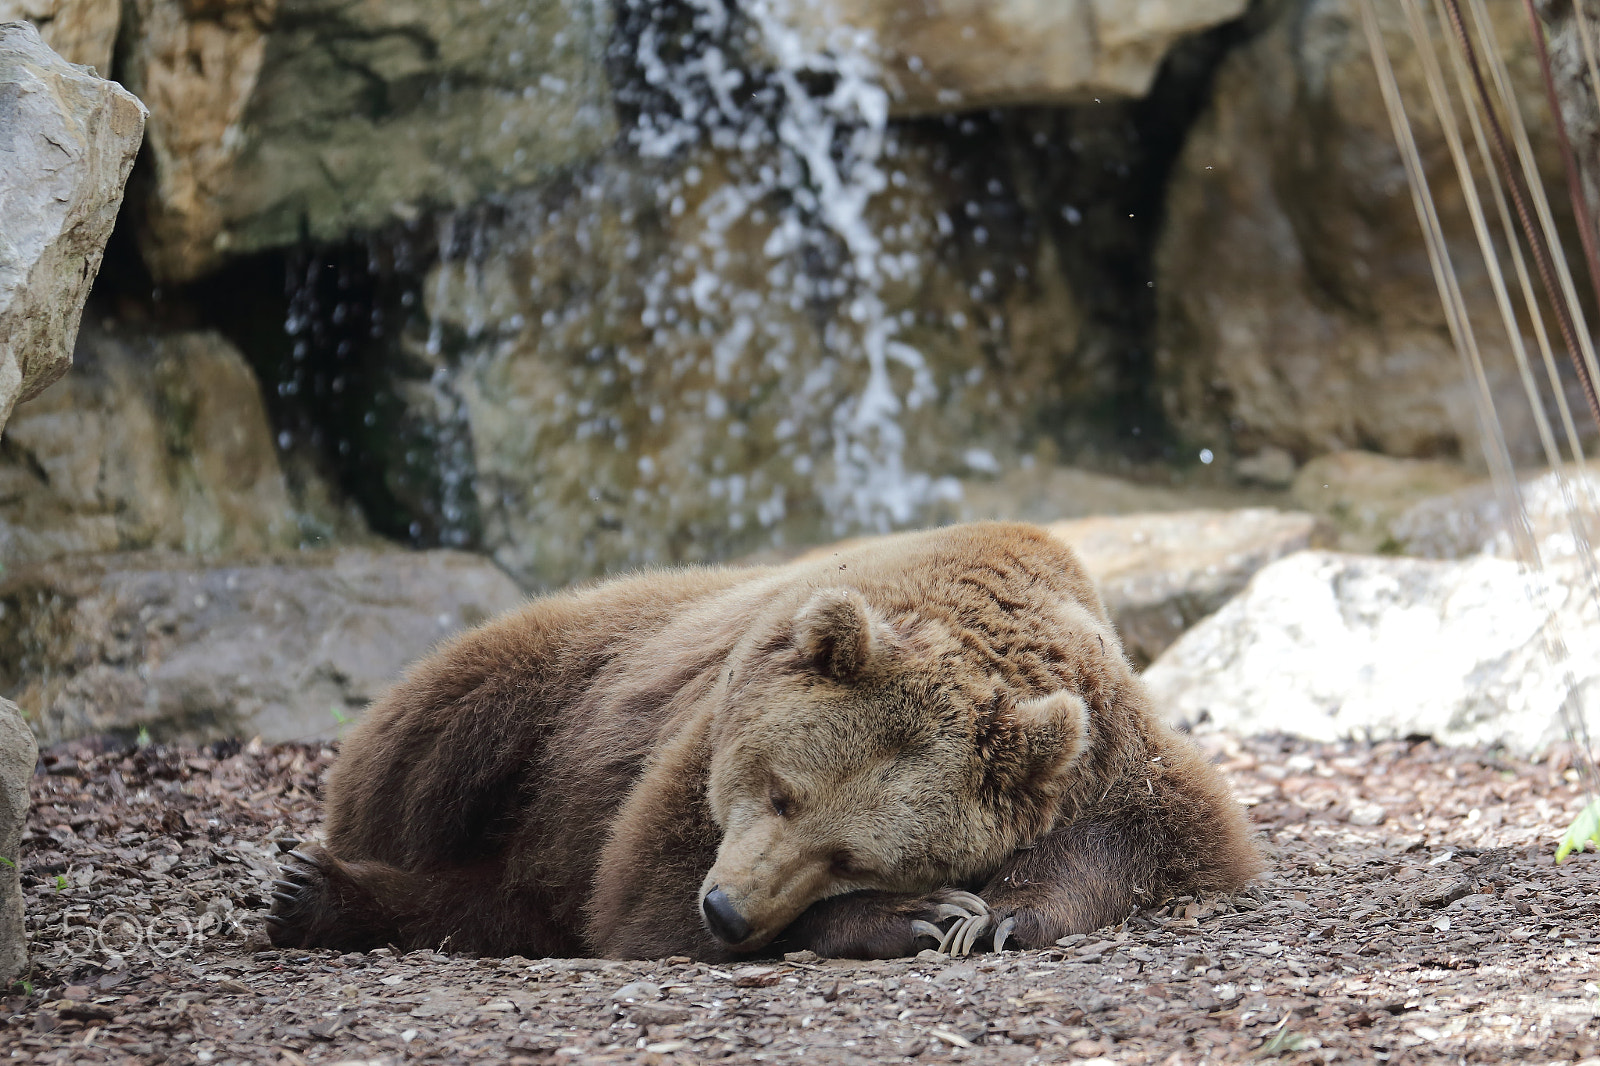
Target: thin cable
(1493, 441)
(1587, 370)
(1530, 301)
(1461, 331)
(1530, 386)
(1588, 48)
(1580, 203)
(1571, 708)
(1552, 274)
(1570, 311)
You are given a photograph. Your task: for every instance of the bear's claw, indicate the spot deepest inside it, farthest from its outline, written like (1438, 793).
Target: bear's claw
(965, 900)
(921, 928)
(963, 935)
(298, 876)
(1002, 933)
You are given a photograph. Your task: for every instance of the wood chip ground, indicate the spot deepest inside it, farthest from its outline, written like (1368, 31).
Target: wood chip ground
(1413, 914)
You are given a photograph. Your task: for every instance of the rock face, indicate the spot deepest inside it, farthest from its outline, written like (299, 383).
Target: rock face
(653, 364)
(1297, 307)
(286, 649)
(1329, 646)
(153, 441)
(18, 754)
(1579, 106)
(1159, 574)
(67, 142)
(273, 118)
(952, 55)
(79, 31)
(1360, 495)
(1561, 519)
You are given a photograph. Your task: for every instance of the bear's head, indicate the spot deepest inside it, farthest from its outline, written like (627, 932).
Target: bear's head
(854, 751)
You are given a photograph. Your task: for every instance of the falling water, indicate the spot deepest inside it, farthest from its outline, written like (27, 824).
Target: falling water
(801, 132)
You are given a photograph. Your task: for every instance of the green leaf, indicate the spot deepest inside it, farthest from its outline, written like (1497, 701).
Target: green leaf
(1282, 1039)
(8, 863)
(1584, 828)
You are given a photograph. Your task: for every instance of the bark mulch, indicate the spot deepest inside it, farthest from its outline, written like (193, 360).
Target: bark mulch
(1413, 913)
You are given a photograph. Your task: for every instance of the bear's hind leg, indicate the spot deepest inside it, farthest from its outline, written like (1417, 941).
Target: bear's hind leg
(319, 901)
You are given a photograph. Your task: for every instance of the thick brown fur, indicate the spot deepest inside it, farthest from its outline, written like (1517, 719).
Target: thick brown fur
(823, 746)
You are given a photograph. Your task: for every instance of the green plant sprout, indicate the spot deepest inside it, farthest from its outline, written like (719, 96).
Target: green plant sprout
(61, 882)
(143, 739)
(1584, 828)
(8, 863)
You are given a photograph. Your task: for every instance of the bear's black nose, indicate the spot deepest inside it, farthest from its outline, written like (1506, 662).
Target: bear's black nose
(725, 923)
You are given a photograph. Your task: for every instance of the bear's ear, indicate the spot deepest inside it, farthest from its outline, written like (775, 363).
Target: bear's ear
(1056, 725)
(837, 632)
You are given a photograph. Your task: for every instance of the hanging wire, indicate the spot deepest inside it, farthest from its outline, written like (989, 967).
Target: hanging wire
(1565, 299)
(1580, 204)
(1551, 266)
(1570, 487)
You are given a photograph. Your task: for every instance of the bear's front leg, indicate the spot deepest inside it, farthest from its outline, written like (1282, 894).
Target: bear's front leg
(878, 925)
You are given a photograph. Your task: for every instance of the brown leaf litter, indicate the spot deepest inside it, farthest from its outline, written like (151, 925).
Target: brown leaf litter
(1413, 913)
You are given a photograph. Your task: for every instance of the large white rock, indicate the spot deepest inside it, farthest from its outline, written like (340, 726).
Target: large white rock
(1159, 574)
(67, 142)
(1560, 509)
(943, 55)
(1327, 646)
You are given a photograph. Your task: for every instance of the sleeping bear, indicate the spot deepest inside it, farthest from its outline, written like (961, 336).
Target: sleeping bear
(930, 739)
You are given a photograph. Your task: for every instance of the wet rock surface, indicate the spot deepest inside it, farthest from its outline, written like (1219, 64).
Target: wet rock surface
(285, 649)
(156, 440)
(272, 120)
(622, 402)
(1579, 108)
(966, 54)
(79, 31)
(1328, 646)
(67, 143)
(1297, 306)
(1361, 495)
(1411, 909)
(1159, 574)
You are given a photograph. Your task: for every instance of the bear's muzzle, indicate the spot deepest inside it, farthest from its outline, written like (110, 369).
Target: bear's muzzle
(723, 918)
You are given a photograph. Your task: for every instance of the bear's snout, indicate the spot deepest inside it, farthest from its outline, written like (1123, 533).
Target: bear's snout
(723, 919)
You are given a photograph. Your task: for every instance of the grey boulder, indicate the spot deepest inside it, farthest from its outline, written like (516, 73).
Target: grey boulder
(285, 649)
(1328, 646)
(17, 756)
(67, 142)
(1159, 574)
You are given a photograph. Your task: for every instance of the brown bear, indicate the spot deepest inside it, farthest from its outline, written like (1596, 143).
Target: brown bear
(838, 754)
